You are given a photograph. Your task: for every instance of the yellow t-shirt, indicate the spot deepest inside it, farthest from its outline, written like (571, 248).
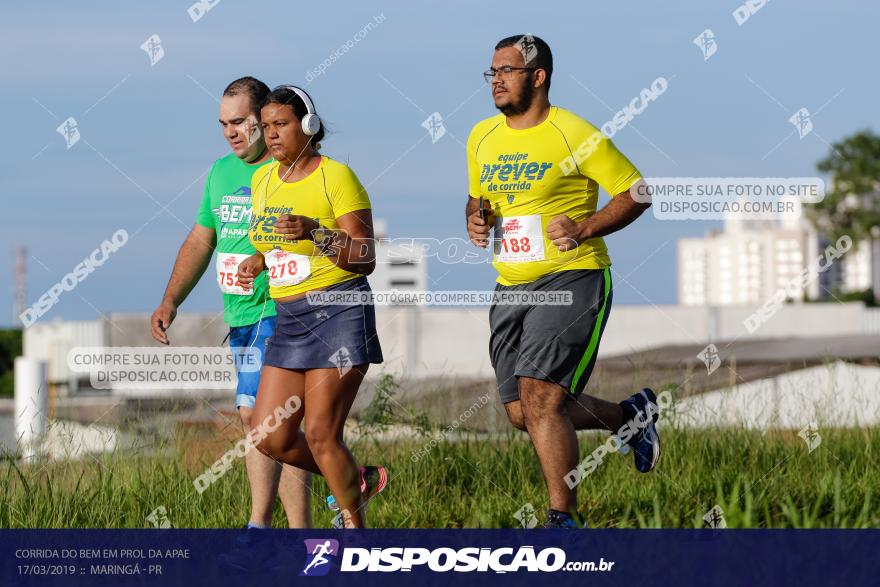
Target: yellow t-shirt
(331, 191)
(534, 174)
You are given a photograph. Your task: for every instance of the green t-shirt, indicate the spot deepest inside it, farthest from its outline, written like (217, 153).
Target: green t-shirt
(226, 207)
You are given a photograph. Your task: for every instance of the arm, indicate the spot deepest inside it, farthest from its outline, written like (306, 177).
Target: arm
(477, 228)
(192, 260)
(621, 211)
(350, 247)
(353, 247)
(249, 269)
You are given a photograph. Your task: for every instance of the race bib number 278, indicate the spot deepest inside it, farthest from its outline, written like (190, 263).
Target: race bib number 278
(287, 268)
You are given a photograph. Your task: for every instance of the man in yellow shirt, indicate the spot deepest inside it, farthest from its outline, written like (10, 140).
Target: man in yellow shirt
(534, 175)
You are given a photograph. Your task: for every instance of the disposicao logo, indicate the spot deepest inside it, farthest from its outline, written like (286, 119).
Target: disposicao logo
(320, 553)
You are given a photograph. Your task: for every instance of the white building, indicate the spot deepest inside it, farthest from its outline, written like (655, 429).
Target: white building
(747, 263)
(398, 266)
(859, 267)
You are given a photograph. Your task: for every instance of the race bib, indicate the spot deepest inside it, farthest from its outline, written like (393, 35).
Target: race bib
(227, 273)
(519, 239)
(287, 268)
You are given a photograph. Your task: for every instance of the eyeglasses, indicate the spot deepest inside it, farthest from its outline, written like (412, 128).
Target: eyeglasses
(504, 72)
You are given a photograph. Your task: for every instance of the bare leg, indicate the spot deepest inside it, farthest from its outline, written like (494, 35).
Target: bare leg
(263, 475)
(285, 443)
(294, 490)
(553, 436)
(320, 449)
(592, 413)
(586, 413)
(329, 398)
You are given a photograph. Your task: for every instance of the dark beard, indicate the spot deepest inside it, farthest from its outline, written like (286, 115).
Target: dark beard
(521, 105)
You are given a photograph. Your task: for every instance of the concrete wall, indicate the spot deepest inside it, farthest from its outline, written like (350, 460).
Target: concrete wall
(430, 342)
(835, 395)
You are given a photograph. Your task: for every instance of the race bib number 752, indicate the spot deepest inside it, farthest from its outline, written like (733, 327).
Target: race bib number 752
(227, 273)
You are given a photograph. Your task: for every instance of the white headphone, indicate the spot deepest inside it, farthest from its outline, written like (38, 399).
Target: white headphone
(311, 123)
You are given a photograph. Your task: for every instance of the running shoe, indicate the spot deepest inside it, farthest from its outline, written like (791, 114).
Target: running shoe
(337, 523)
(373, 482)
(249, 551)
(557, 519)
(645, 442)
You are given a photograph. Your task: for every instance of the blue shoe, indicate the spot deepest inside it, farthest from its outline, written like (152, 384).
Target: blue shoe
(645, 442)
(249, 553)
(557, 519)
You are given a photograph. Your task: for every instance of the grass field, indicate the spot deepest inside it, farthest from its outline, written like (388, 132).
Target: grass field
(759, 480)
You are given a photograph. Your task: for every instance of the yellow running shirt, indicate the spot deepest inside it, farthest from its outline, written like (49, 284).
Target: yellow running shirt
(523, 174)
(331, 191)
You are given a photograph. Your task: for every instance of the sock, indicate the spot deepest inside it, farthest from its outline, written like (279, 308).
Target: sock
(252, 526)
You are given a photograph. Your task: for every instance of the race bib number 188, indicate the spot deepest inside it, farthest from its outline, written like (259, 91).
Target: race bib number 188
(519, 239)
(287, 268)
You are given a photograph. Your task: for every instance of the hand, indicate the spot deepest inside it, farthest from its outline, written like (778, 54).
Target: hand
(249, 269)
(565, 233)
(478, 229)
(295, 227)
(161, 320)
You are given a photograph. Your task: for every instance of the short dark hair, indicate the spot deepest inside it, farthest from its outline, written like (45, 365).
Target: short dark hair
(536, 52)
(255, 90)
(286, 96)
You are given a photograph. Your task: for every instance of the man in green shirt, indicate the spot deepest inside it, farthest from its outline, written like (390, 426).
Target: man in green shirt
(222, 224)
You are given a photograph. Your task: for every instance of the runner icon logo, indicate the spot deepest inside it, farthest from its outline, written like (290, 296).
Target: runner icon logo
(320, 554)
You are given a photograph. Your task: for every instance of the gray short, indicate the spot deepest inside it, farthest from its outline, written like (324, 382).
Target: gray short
(552, 343)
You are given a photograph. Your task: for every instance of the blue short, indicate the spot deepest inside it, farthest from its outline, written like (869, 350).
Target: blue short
(242, 337)
(325, 336)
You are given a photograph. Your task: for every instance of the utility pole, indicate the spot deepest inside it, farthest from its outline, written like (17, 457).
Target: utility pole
(18, 303)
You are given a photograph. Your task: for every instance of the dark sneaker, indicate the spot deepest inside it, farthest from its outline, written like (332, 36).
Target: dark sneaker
(645, 442)
(557, 519)
(249, 551)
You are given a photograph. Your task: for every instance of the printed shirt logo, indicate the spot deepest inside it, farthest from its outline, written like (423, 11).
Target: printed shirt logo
(514, 172)
(235, 208)
(512, 226)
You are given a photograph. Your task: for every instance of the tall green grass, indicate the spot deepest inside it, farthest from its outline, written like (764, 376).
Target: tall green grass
(759, 480)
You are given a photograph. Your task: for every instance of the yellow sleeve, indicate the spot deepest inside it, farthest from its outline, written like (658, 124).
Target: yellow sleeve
(610, 168)
(473, 166)
(346, 192)
(600, 160)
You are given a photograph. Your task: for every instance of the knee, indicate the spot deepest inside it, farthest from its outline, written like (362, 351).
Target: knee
(540, 403)
(271, 445)
(515, 416)
(319, 438)
(245, 416)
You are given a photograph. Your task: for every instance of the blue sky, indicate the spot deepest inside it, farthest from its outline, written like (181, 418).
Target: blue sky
(149, 133)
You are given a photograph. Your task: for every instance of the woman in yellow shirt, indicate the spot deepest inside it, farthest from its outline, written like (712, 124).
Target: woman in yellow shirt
(313, 230)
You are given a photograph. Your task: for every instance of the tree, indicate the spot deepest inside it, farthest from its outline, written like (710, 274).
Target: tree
(852, 198)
